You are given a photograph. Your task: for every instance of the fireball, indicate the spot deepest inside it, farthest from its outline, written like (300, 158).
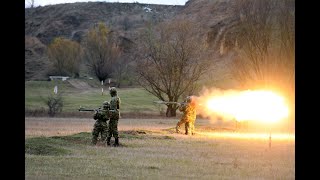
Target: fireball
(260, 105)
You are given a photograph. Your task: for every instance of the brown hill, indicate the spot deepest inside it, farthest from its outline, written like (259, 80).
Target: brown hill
(72, 20)
(215, 18)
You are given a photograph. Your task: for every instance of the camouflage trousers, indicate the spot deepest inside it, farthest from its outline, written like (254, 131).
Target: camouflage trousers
(113, 128)
(189, 125)
(101, 128)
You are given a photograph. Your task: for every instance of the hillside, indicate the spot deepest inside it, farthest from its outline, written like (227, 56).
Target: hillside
(72, 20)
(214, 18)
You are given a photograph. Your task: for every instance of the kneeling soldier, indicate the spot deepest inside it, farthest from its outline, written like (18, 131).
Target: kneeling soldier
(101, 125)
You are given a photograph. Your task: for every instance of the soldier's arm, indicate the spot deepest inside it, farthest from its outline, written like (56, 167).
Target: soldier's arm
(182, 107)
(118, 103)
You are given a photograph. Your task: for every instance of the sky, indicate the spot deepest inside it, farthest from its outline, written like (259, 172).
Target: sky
(47, 2)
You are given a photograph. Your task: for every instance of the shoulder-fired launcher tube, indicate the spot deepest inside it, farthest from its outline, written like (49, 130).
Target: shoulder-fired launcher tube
(167, 102)
(96, 110)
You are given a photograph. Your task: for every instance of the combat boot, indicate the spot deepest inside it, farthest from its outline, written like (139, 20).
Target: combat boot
(108, 141)
(116, 142)
(94, 142)
(177, 129)
(186, 133)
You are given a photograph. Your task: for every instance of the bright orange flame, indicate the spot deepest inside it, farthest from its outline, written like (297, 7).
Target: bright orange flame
(264, 106)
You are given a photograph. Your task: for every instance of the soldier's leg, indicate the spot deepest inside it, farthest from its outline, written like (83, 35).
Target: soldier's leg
(179, 124)
(109, 133)
(192, 127)
(104, 131)
(113, 128)
(108, 141)
(95, 134)
(187, 127)
(115, 133)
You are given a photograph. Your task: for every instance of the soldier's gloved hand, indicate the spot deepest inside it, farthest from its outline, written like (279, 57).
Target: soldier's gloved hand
(96, 116)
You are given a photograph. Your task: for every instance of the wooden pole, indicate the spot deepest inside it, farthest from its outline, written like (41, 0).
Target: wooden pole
(270, 140)
(101, 88)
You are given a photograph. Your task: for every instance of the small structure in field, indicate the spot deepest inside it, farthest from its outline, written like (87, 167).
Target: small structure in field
(63, 78)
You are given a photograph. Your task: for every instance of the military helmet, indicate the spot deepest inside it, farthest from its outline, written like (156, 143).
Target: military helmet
(188, 99)
(113, 91)
(106, 105)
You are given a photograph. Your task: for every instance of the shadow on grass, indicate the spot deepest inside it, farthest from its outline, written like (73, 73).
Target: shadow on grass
(57, 145)
(79, 138)
(44, 146)
(143, 134)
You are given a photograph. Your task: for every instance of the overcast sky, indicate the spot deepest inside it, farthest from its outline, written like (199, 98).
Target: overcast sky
(47, 2)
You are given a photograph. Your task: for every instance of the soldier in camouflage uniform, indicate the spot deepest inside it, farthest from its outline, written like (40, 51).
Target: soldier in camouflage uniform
(114, 117)
(189, 116)
(100, 126)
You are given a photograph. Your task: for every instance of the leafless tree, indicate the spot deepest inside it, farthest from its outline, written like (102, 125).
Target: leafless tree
(123, 69)
(266, 45)
(65, 56)
(171, 62)
(101, 51)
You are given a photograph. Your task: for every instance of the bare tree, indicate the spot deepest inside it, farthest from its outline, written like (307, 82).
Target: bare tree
(65, 56)
(122, 69)
(171, 62)
(266, 49)
(266, 45)
(101, 51)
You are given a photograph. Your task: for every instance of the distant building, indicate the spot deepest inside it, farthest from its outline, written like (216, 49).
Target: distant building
(63, 78)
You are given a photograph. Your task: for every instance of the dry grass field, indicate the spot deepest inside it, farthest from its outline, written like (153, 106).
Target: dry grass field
(58, 148)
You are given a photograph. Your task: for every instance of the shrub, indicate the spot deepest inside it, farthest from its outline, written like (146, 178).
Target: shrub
(54, 103)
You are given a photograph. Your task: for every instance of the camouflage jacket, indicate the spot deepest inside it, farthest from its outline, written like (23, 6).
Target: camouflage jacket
(101, 116)
(114, 107)
(189, 112)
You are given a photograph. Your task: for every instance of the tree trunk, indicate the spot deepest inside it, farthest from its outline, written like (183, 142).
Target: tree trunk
(171, 111)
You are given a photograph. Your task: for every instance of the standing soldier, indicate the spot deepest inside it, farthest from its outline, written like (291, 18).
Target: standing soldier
(100, 126)
(114, 117)
(189, 115)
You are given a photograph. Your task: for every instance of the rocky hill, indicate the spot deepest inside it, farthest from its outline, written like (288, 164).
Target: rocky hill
(215, 18)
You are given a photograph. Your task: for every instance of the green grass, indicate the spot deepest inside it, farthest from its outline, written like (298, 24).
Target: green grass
(158, 155)
(135, 100)
(44, 146)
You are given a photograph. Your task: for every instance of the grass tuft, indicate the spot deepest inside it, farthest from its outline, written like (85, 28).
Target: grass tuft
(43, 146)
(79, 138)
